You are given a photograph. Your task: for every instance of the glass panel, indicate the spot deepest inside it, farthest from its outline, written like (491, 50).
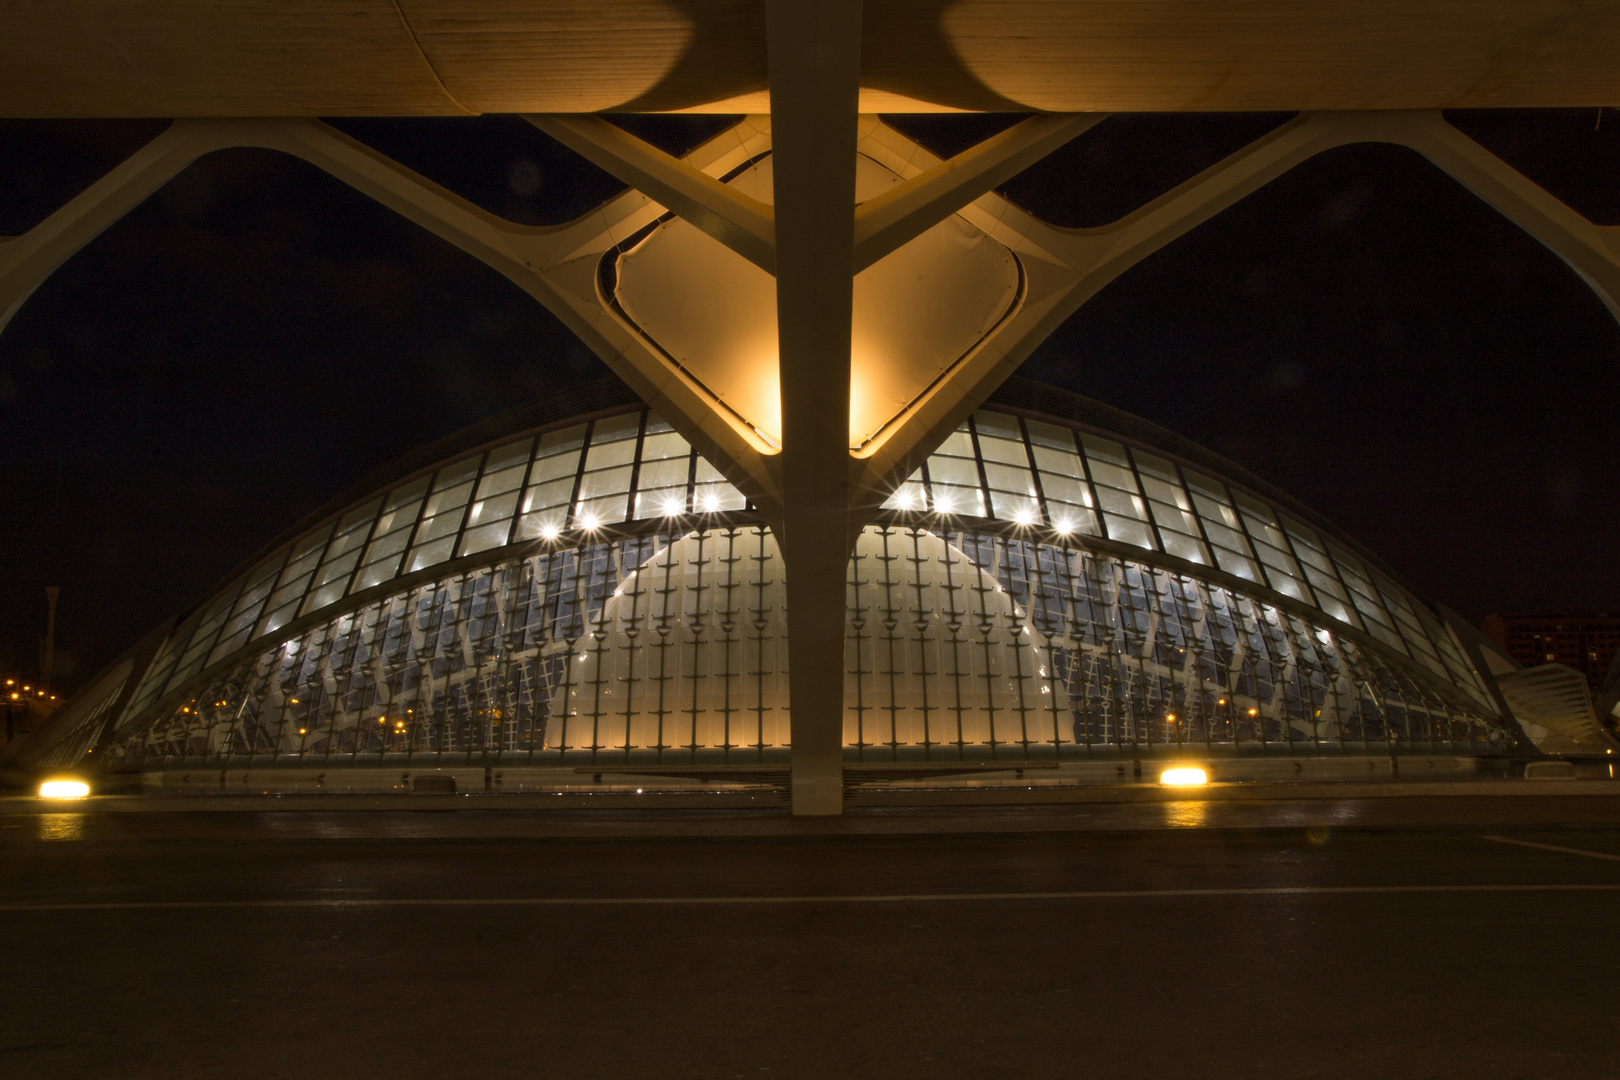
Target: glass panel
(1010, 478)
(1065, 489)
(718, 496)
(294, 580)
(908, 496)
(1049, 435)
(1071, 520)
(1129, 531)
(666, 445)
(1020, 508)
(595, 485)
(1416, 640)
(957, 444)
(1282, 573)
(248, 606)
(1115, 501)
(668, 473)
(592, 513)
(950, 470)
(1003, 450)
(431, 554)
(949, 499)
(492, 509)
(485, 537)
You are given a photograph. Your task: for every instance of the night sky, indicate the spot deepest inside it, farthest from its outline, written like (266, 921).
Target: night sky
(1363, 332)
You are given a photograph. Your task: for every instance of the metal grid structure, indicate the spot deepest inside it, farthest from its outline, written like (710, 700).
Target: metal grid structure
(595, 591)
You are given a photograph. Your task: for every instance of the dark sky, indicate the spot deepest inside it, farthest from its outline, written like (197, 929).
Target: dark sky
(1363, 332)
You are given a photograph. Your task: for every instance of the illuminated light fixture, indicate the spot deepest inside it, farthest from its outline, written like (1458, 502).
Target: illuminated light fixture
(1065, 527)
(711, 502)
(673, 507)
(942, 503)
(1183, 776)
(1025, 516)
(1254, 712)
(549, 532)
(64, 789)
(588, 521)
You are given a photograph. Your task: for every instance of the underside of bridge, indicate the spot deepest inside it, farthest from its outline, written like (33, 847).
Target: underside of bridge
(811, 299)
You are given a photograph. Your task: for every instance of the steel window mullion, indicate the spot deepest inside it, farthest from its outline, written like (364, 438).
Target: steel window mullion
(1192, 508)
(1034, 472)
(988, 504)
(572, 520)
(472, 499)
(1147, 503)
(1091, 484)
(416, 526)
(631, 510)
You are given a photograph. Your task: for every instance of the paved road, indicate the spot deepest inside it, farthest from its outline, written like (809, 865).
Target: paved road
(354, 945)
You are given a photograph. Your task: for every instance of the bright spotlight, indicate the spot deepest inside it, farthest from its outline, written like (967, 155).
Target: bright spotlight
(588, 522)
(1024, 516)
(1064, 526)
(1183, 777)
(63, 789)
(549, 532)
(673, 507)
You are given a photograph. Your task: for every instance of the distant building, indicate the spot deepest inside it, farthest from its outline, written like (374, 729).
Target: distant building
(23, 707)
(1583, 640)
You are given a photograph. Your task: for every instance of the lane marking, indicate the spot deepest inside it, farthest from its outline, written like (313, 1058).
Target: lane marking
(1554, 847)
(896, 898)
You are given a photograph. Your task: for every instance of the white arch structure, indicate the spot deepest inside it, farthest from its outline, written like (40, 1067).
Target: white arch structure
(816, 490)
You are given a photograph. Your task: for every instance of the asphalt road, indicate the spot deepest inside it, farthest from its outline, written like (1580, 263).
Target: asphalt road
(331, 945)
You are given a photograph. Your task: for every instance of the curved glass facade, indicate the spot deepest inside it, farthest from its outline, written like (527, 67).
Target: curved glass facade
(596, 591)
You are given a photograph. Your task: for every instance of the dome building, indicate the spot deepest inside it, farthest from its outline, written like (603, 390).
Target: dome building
(572, 584)
(817, 324)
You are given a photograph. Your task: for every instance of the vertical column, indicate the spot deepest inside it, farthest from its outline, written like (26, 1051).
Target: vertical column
(814, 52)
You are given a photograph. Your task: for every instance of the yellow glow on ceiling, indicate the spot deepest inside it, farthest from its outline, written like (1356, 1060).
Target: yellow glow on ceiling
(916, 312)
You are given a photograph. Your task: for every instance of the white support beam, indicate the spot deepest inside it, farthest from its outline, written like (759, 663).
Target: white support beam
(815, 65)
(908, 210)
(745, 225)
(27, 260)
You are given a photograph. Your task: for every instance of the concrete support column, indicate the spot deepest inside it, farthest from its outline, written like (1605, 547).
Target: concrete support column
(815, 66)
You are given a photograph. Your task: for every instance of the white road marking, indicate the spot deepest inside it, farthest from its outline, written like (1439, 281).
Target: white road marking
(1554, 847)
(896, 898)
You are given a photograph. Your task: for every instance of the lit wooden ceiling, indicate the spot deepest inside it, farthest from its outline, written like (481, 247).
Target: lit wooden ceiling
(448, 57)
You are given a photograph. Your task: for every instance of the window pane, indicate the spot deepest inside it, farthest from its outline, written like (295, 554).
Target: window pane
(1009, 507)
(949, 499)
(1065, 489)
(498, 508)
(1003, 450)
(667, 445)
(717, 496)
(909, 495)
(1237, 565)
(1120, 502)
(430, 554)
(607, 482)
(949, 470)
(1129, 531)
(485, 537)
(1009, 478)
(664, 474)
(957, 444)
(1114, 476)
(1049, 435)
(602, 511)
(448, 499)
(1184, 547)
